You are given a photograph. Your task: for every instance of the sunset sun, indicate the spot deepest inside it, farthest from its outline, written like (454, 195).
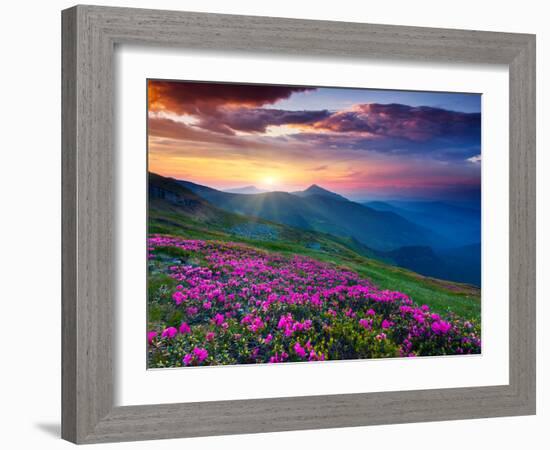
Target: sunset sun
(269, 181)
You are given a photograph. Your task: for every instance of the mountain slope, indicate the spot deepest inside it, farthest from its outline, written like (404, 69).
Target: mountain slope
(377, 229)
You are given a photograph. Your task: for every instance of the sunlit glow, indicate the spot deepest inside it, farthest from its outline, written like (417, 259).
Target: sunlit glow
(185, 119)
(268, 181)
(281, 130)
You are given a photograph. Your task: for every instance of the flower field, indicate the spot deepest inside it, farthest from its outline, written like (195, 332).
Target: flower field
(219, 303)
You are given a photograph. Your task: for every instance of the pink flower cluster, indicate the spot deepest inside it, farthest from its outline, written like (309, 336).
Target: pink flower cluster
(228, 303)
(197, 356)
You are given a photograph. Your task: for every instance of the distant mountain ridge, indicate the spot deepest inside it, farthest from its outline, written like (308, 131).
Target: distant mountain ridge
(246, 190)
(461, 264)
(458, 225)
(320, 210)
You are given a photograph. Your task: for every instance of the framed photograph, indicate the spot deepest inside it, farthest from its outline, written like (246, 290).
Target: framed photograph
(268, 230)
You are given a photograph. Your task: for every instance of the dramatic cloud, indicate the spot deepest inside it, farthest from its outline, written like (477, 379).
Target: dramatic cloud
(417, 124)
(399, 130)
(257, 120)
(169, 129)
(199, 98)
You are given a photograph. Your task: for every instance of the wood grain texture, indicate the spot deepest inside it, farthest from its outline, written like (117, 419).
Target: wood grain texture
(89, 36)
(68, 225)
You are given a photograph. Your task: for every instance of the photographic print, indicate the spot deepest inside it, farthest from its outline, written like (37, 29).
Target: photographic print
(309, 224)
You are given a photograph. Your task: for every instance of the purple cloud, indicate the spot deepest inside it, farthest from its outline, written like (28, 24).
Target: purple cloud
(417, 124)
(258, 119)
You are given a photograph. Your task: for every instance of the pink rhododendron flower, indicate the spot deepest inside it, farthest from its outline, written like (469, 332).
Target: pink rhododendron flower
(210, 336)
(386, 324)
(169, 332)
(256, 325)
(276, 358)
(179, 297)
(441, 327)
(419, 318)
(200, 353)
(366, 323)
(185, 328)
(316, 356)
(300, 351)
(151, 335)
(218, 319)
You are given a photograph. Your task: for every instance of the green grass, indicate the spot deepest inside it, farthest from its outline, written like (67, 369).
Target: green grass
(441, 296)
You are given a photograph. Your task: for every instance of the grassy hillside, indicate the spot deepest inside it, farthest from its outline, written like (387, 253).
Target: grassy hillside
(177, 211)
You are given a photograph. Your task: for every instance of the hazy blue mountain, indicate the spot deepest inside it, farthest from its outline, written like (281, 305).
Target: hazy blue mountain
(457, 224)
(462, 264)
(318, 190)
(320, 210)
(382, 206)
(246, 190)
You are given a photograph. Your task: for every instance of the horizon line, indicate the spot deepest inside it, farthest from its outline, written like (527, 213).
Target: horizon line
(364, 197)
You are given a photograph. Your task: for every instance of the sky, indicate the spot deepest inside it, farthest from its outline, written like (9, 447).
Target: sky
(364, 144)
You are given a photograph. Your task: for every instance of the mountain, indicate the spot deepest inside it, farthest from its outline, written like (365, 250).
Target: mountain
(383, 206)
(246, 190)
(464, 263)
(421, 259)
(319, 211)
(461, 264)
(458, 225)
(318, 190)
(167, 194)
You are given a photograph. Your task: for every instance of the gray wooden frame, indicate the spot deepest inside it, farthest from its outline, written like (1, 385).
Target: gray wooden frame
(89, 37)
